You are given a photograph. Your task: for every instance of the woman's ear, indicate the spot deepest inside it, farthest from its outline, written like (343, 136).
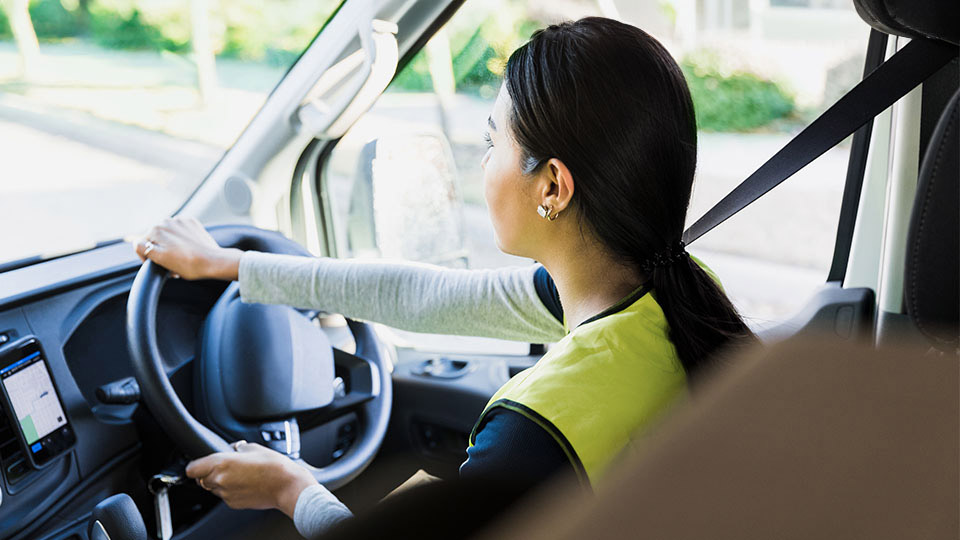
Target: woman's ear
(557, 190)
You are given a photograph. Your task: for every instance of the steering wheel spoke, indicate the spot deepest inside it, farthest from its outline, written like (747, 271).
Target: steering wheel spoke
(357, 383)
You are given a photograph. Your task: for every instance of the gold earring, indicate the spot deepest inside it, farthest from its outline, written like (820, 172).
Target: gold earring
(545, 213)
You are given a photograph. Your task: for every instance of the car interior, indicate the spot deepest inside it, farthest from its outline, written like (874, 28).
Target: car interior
(845, 424)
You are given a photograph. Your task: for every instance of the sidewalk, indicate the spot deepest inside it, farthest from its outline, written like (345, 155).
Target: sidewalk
(103, 143)
(151, 90)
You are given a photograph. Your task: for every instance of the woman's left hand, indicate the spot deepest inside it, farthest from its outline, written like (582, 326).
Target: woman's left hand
(252, 477)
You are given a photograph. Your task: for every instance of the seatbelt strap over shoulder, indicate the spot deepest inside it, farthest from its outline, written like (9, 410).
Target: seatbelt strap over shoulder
(900, 74)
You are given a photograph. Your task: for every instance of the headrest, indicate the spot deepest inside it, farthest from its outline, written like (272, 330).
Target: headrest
(932, 278)
(933, 19)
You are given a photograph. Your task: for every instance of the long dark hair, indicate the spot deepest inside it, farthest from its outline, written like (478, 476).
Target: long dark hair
(609, 101)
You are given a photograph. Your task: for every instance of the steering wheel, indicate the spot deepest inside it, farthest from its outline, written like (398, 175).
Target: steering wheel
(259, 366)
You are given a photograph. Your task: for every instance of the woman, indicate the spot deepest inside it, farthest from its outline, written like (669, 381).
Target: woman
(592, 151)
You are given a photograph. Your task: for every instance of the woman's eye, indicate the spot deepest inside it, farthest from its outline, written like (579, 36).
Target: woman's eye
(488, 140)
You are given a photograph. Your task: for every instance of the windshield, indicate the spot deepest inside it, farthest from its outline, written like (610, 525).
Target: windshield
(112, 112)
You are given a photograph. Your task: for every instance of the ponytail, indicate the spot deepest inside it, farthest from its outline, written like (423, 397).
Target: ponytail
(701, 318)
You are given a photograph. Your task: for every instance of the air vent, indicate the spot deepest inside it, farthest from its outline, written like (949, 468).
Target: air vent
(15, 466)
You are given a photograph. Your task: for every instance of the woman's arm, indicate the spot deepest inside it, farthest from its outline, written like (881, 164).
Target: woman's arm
(252, 476)
(501, 303)
(317, 511)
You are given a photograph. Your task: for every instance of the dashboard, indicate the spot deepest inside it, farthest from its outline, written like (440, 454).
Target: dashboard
(74, 309)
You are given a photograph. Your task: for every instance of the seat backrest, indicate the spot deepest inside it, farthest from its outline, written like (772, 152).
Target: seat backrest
(804, 439)
(932, 274)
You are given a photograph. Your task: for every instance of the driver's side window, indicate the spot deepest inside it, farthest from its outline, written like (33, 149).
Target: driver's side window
(405, 181)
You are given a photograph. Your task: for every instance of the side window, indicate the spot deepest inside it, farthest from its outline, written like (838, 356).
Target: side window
(760, 73)
(405, 181)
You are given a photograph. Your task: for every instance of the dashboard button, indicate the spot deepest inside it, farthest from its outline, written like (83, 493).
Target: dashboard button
(16, 471)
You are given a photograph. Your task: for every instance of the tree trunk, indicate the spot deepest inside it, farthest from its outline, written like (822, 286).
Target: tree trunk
(440, 64)
(24, 35)
(203, 50)
(83, 16)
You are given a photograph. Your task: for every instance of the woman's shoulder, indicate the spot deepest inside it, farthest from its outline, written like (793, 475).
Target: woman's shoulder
(605, 360)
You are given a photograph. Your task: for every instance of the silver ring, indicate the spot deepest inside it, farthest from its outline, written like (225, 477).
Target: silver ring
(236, 446)
(148, 247)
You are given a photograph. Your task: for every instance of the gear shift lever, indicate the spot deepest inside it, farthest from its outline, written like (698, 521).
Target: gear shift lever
(117, 518)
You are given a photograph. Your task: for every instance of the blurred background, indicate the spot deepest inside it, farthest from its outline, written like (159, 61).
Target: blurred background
(113, 111)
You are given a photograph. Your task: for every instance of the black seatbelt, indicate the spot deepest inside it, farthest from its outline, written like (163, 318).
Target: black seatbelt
(892, 80)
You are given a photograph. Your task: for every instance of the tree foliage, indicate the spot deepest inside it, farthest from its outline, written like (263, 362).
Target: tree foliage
(733, 100)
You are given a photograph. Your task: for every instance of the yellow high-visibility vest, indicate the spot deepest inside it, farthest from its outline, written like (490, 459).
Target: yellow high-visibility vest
(597, 388)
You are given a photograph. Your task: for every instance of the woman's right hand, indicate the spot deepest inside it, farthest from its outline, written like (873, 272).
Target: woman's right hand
(185, 248)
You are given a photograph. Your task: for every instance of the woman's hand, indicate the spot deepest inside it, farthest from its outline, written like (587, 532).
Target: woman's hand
(252, 477)
(183, 246)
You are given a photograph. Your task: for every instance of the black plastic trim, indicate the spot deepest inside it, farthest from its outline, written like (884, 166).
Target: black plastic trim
(67, 285)
(77, 490)
(834, 312)
(935, 94)
(434, 27)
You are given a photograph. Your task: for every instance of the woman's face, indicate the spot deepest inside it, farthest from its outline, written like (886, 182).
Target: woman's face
(509, 194)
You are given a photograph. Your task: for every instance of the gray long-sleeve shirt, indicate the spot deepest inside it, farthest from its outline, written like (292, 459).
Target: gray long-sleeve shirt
(501, 303)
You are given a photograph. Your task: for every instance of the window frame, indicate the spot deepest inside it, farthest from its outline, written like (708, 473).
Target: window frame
(309, 174)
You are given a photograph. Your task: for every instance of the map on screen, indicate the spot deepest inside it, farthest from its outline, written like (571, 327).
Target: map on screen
(34, 400)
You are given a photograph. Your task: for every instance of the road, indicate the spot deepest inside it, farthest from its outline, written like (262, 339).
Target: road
(71, 179)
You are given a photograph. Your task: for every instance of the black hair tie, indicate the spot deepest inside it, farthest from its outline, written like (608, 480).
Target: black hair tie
(666, 257)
